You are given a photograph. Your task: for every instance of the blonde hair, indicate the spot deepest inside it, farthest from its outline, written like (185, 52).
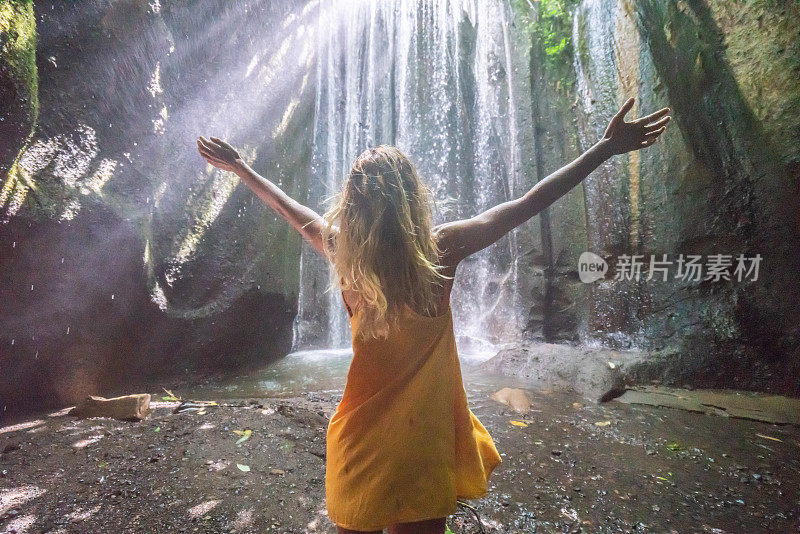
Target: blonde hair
(384, 249)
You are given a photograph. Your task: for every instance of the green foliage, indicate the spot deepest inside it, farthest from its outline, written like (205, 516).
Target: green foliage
(18, 48)
(550, 24)
(554, 30)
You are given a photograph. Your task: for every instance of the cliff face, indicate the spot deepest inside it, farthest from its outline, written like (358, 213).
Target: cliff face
(722, 181)
(124, 258)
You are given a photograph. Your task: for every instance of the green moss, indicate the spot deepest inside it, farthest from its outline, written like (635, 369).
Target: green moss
(18, 49)
(550, 24)
(767, 3)
(763, 52)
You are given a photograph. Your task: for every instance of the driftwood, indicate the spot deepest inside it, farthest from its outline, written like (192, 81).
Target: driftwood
(128, 408)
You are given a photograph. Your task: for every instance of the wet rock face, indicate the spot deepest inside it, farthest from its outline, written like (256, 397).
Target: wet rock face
(598, 375)
(77, 322)
(722, 180)
(124, 258)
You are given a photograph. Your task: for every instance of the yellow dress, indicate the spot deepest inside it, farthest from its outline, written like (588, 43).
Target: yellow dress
(403, 445)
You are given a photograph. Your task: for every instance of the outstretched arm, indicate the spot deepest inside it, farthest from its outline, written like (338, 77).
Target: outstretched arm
(459, 239)
(305, 220)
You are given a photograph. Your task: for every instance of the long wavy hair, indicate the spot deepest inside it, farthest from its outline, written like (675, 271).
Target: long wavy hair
(384, 249)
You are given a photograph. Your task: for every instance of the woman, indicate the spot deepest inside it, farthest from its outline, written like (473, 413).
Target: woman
(403, 445)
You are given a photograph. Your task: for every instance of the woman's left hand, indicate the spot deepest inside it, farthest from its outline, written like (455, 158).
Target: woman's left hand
(219, 153)
(621, 136)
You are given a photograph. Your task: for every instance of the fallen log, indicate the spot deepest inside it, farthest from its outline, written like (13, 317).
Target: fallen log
(127, 408)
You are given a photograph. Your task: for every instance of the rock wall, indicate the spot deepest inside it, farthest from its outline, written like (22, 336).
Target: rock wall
(723, 180)
(124, 258)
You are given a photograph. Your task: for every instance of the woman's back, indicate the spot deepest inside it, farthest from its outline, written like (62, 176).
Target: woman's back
(403, 444)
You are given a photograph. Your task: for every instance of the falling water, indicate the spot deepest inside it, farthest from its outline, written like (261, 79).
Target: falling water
(610, 66)
(435, 78)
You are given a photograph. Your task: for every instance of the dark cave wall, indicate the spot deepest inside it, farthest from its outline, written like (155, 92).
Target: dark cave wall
(126, 261)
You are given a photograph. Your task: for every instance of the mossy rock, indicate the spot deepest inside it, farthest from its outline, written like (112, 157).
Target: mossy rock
(19, 84)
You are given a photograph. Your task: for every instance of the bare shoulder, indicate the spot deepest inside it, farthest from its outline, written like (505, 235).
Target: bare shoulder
(447, 237)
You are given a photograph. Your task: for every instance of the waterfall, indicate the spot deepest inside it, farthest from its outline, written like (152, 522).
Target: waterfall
(609, 68)
(437, 79)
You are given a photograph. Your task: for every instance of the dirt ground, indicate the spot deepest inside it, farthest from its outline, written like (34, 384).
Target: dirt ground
(567, 467)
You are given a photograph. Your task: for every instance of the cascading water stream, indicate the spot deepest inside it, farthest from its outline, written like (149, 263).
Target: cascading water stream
(436, 79)
(609, 68)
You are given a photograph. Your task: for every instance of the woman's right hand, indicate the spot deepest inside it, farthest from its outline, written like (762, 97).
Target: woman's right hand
(621, 136)
(219, 154)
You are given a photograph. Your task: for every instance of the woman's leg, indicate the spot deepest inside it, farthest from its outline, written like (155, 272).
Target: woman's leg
(343, 530)
(429, 526)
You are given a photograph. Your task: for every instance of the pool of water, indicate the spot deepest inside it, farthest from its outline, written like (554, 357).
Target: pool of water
(325, 370)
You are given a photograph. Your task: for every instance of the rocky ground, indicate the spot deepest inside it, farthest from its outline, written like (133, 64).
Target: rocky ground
(567, 467)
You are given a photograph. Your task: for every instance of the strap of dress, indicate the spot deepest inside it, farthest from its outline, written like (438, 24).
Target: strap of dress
(349, 311)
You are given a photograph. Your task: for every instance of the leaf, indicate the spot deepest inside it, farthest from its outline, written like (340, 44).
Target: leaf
(518, 423)
(157, 429)
(662, 478)
(602, 423)
(245, 435)
(170, 396)
(675, 447)
(769, 437)
(448, 531)
(243, 468)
